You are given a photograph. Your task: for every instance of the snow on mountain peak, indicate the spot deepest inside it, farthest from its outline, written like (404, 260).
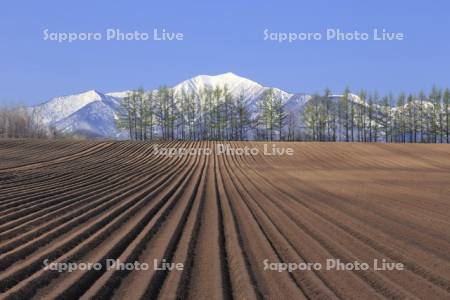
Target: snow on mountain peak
(235, 84)
(225, 78)
(121, 94)
(61, 107)
(95, 112)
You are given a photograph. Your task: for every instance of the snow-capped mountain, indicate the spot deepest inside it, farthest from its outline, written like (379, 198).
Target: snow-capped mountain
(62, 107)
(91, 113)
(94, 113)
(236, 85)
(97, 119)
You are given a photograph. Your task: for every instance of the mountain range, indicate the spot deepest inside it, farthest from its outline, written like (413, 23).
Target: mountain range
(93, 113)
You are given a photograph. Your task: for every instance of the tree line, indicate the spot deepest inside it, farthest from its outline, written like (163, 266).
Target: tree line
(371, 118)
(215, 114)
(211, 114)
(20, 122)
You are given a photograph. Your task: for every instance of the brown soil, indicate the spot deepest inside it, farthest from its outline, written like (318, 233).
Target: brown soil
(222, 216)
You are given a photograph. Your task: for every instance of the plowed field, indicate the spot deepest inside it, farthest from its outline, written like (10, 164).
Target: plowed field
(223, 219)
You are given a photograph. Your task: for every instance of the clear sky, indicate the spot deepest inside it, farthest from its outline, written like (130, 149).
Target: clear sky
(221, 36)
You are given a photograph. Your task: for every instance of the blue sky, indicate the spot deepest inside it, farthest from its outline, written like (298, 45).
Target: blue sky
(221, 36)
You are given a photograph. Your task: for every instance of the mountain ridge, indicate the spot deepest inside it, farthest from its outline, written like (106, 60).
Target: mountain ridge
(96, 112)
(77, 112)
